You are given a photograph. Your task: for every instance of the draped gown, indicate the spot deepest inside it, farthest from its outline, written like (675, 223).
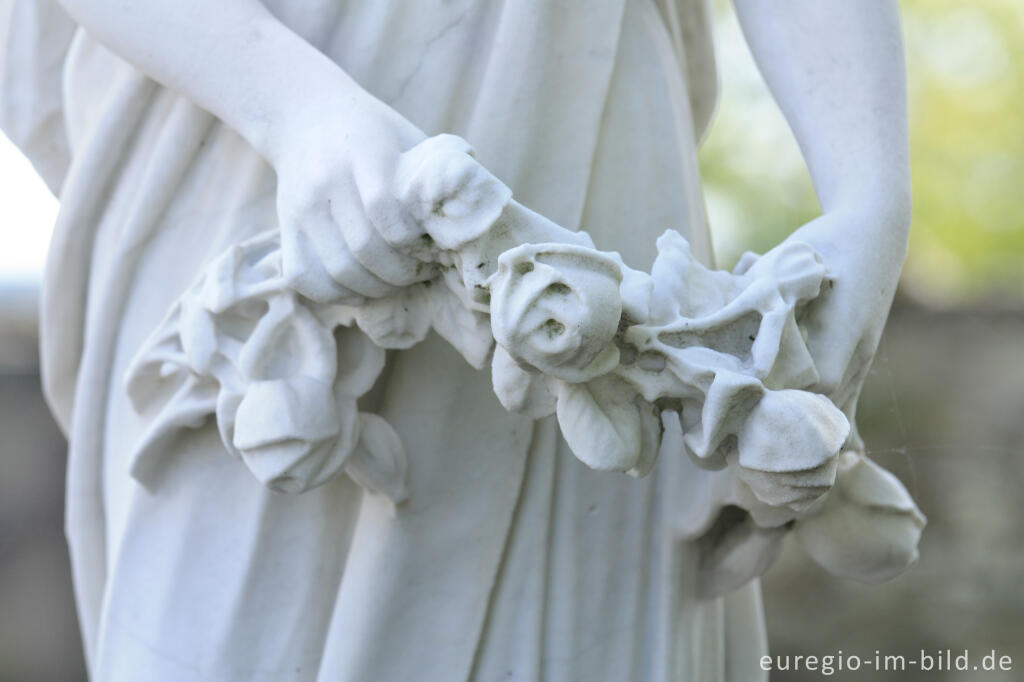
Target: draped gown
(511, 560)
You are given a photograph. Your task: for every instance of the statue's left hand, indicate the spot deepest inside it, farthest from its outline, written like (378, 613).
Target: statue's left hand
(863, 249)
(867, 527)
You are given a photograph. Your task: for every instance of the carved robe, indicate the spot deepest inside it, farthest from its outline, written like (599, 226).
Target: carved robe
(510, 560)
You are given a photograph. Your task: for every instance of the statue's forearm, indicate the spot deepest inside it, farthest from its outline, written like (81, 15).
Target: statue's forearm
(232, 57)
(836, 69)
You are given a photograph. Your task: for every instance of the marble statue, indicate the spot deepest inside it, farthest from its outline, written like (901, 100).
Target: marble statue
(372, 362)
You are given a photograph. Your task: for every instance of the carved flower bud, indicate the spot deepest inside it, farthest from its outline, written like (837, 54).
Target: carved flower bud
(868, 527)
(556, 307)
(786, 451)
(292, 433)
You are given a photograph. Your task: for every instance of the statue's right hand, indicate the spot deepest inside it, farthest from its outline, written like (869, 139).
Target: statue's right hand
(366, 204)
(332, 175)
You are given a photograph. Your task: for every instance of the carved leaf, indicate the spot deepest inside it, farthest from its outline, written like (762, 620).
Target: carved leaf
(399, 321)
(651, 431)
(468, 331)
(189, 406)
(517, 389)
(360, 362)
(734, 550)
(601, 423)
(379, 461)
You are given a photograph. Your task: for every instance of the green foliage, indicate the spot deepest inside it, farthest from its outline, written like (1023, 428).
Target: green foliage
(965, 66)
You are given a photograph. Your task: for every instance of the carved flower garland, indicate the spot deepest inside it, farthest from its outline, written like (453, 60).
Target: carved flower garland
(612, 352)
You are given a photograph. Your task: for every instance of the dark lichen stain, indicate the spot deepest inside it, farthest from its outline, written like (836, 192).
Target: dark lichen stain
(553, 328)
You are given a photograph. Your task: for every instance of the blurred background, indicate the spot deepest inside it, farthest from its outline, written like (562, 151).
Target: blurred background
(943, 408)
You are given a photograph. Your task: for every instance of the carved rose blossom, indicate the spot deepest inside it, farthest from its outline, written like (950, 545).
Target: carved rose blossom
(557, 307)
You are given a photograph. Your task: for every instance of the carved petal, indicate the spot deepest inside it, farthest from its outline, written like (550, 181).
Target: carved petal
(795, 267)
(283, 410)
(683, 287)
(793, 366)
(774, 496)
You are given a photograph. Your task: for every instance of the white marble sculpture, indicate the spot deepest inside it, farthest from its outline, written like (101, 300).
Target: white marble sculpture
(341, 408)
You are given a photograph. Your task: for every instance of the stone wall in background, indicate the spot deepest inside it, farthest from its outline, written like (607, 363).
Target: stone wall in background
(39, 639)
